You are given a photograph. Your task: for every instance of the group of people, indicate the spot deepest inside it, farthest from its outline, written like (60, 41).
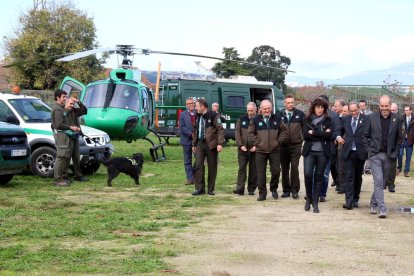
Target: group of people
(341, 141)
(66, 130)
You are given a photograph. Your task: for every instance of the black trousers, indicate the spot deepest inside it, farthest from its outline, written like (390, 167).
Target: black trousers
(261, 165)
(289, 159)
(314, 166)
(354, 167)
(246, 158)
(390, 183)
(202, 151)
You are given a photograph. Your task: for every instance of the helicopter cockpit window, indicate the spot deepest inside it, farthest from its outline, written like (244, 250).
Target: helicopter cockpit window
(95, 95)
(125, 97)
(144, 93)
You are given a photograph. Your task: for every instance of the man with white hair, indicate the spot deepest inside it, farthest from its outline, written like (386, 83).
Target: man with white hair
(245, 155)
(268, 132)
(384, 134)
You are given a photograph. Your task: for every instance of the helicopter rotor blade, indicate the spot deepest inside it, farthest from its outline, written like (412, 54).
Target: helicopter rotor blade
(148, 51)
(86, 53)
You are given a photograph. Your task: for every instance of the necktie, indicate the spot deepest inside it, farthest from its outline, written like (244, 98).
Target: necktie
(289, 117)
(266, 120)
(408, 122)
(354, 125)
(201, 128)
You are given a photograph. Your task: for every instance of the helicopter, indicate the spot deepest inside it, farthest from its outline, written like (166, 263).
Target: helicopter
(122, 105)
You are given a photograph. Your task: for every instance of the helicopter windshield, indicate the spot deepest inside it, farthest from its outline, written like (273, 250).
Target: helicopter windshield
(124, 96)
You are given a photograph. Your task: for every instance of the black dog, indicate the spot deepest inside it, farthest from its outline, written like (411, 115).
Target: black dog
(130, 166)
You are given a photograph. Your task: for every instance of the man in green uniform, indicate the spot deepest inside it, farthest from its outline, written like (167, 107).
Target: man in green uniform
(207, 142)
(61, 132)
(74, 110)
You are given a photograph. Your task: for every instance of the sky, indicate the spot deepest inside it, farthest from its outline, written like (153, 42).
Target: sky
(323, 38)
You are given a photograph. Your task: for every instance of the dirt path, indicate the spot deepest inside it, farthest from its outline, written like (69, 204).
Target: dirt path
(277, 237)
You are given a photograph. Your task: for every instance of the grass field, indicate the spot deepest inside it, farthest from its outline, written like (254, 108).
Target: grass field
(91, 228)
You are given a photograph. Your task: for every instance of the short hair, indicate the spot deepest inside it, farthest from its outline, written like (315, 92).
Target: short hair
(341, 102)
(409, 107)
(58, 93)
(203, 102)
(189, 99)
(288, 96)
(318, 102)
(353, 102)
(252, 104)
(215, 103)
(362, 101)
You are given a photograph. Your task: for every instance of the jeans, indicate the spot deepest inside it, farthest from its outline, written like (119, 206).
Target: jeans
(314, 166)
(408, 154)
(188, 162)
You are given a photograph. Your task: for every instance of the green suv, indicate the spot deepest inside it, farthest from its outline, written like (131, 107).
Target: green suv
(14, 151)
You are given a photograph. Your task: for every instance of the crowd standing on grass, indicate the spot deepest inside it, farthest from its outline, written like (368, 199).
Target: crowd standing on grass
(345, 140)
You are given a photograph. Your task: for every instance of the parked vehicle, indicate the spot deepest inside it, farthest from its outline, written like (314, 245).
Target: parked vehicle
(34, 116)
(14, 151)
(231, 94)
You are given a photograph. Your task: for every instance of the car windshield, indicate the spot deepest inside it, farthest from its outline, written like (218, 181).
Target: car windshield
(32, 110)
(124, 96)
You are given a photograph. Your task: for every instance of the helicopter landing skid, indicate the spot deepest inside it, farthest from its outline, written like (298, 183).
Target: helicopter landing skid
(155, 147)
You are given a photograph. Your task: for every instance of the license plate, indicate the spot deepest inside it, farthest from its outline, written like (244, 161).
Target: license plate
(20, 152)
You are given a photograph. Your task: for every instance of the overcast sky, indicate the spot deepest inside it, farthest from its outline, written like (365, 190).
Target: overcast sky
(325, 39)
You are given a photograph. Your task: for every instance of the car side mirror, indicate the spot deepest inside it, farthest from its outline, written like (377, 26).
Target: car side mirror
(12, 119)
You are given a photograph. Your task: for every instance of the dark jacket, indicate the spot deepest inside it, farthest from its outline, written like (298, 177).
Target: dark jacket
(75, 113)
(358, 137)
(408, 131)
(186, 129)
(60, 119)
(321, 132)
(294, 128)
(374, 135)
(214, 132)
(242, 132)
(267, 137)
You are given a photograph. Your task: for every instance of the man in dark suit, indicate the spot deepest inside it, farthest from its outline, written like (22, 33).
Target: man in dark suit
(384, 134)
(408, 121)
(186, 122)
(353, 154)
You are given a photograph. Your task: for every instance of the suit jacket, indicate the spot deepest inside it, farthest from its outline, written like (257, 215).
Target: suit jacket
(408, 131)
(358, 137)
(186, 129)
(374, 135)
(336, 125)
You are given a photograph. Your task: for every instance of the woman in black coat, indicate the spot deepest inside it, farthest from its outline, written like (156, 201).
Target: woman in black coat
(316, 151)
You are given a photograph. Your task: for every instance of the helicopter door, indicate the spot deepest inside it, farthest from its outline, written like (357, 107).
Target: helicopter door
(147, 105)
(73, 87)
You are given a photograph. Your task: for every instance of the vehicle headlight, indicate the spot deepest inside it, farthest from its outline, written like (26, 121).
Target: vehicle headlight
(107, 138)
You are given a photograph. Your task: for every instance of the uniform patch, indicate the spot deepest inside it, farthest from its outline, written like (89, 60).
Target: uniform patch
(218, 121)
(244, 123)
(260, 123)
(297, 116)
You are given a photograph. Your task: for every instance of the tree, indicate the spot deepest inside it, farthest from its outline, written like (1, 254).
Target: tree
(226, 69)
(47, 31)
(268, 56)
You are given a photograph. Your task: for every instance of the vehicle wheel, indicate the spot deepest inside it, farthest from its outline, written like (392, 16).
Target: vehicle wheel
(91, 168)
(4, 179)
(43, 161)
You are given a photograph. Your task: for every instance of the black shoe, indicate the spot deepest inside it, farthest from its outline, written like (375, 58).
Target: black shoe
(237, 192)
(275, 195)
(198, 192)
(307, 205)
(251, 193)
(81, 179)
(391, 189)
(322, 199)
(315, 207)
(333, 184)
(340, 191)
(348, 207)
(286, 194)
(295, 195)
(211, 193)
(355, 204)
(261, 198)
